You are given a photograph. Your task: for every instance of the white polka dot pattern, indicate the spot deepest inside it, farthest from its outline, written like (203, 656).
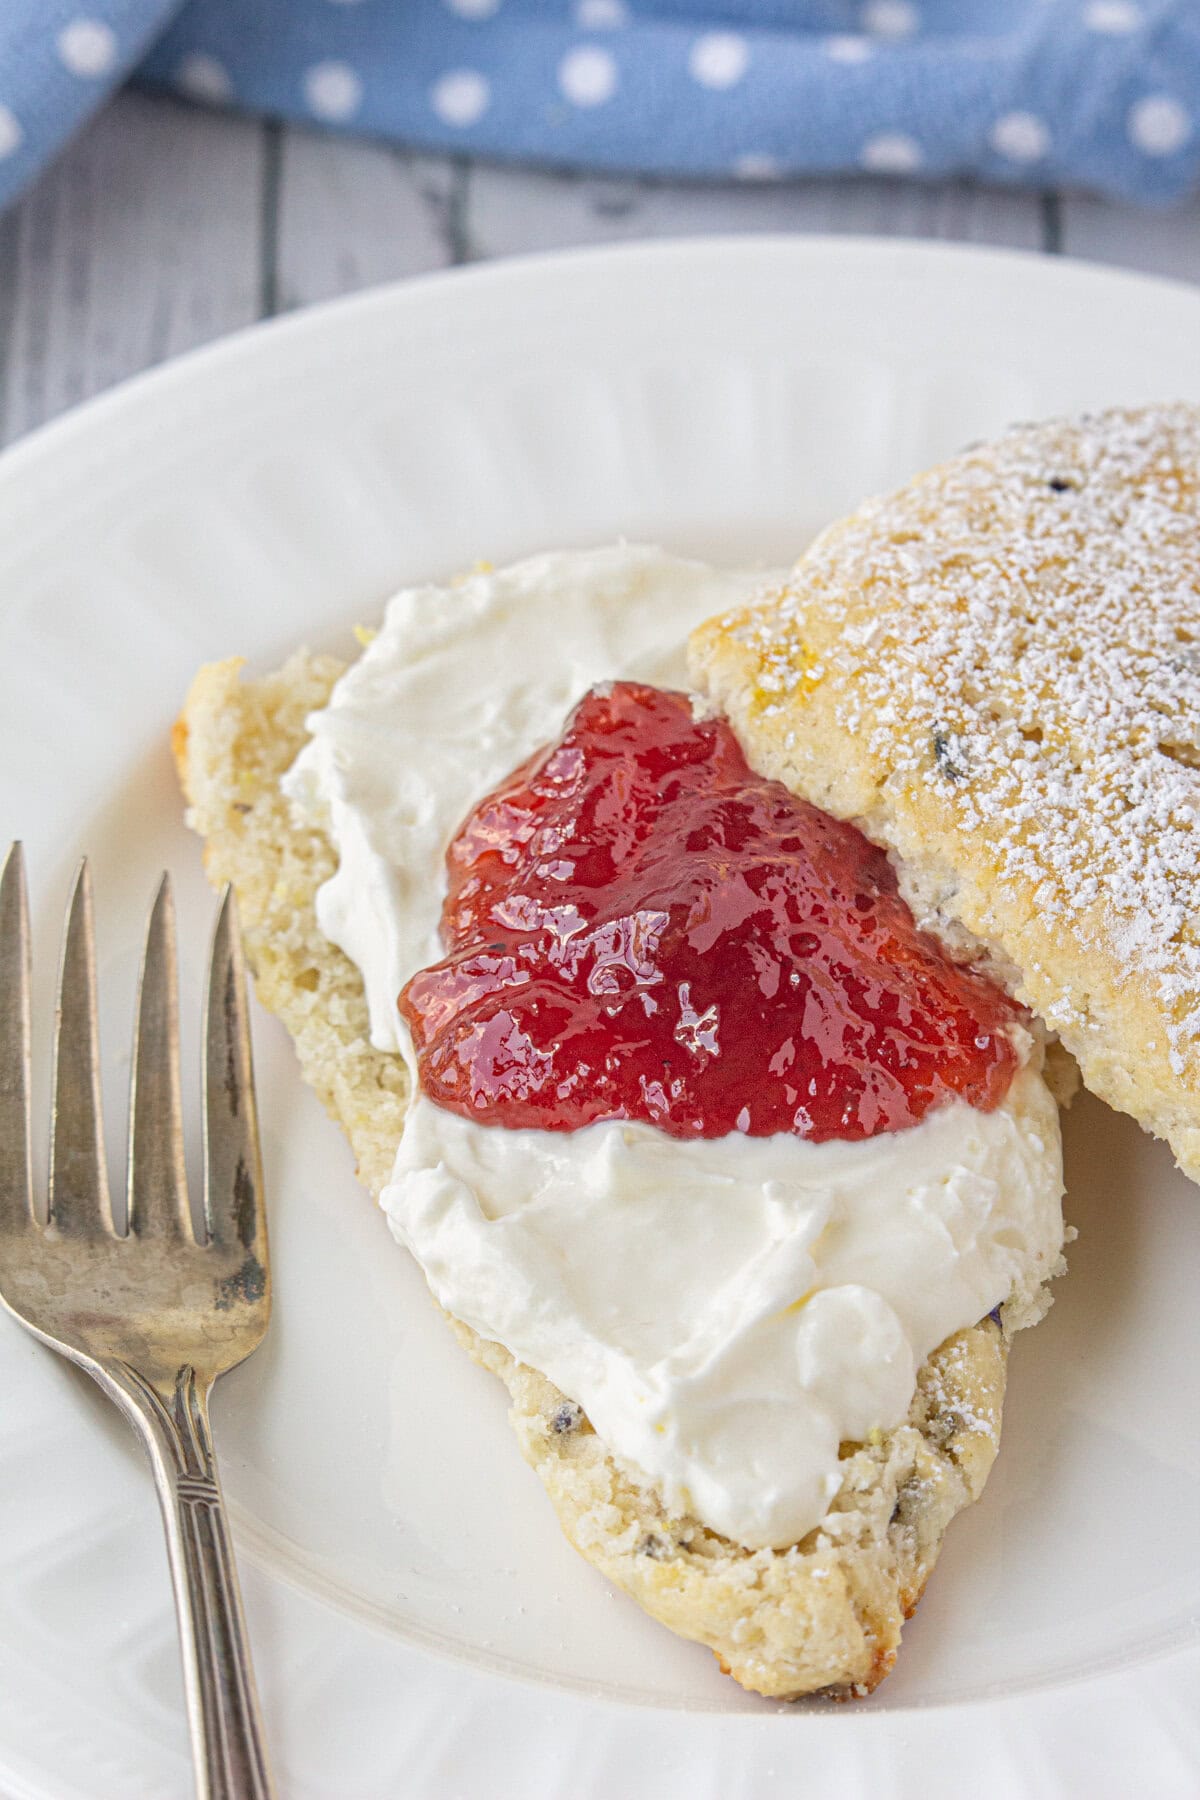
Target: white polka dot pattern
(1159, 125)
(719, 59)
(1020, 136)
(473, 9)
(88, 48)
(11, 135)
(588, 76)
(1115, 17)
(333, 90)
(891, 18)
(203, 77)
(756, 167)
(1095, 94)
(460, 97)
(891, 153)
(846, 48)
(601, 15)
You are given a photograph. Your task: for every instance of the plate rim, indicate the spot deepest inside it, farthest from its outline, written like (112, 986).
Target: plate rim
(263, 335)
(915, 258)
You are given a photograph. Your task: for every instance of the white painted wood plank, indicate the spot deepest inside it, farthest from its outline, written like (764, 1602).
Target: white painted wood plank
(511, 210)
(142, 241)
(352, 214)
(1158, 243)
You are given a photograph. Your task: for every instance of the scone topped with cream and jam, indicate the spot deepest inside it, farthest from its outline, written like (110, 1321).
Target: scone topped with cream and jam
(737, 1178)
(996, 672)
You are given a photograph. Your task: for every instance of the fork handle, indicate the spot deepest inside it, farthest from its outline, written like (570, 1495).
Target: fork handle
(227, 1737)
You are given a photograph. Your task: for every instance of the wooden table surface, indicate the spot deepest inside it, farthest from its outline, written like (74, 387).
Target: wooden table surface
(165, 225)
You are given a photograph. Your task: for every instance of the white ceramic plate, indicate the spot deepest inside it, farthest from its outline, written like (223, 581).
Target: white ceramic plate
(421, 1627)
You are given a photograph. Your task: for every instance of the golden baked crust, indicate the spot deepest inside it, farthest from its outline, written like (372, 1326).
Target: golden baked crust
(823, 1615)
(996, 672)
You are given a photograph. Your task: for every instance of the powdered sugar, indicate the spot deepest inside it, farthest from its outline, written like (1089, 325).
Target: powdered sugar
(1043, 668)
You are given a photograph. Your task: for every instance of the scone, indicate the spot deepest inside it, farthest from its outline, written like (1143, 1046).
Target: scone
(996, 672)
(823, 1613)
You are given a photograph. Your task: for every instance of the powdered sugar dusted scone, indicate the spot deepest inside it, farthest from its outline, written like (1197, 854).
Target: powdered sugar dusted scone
(785, 1617)
(996, 671)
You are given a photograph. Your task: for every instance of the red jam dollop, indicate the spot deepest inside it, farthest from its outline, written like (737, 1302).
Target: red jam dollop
(639, 927)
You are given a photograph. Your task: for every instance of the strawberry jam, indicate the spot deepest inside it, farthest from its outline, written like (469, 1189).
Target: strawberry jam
(639, 927)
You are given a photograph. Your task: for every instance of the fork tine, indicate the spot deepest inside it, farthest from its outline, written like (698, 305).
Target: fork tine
(158, 1202)
(233, 1185)
(16, 1164)
(79, 1197)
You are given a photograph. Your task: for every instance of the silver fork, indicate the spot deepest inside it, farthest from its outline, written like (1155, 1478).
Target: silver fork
(154, 1316)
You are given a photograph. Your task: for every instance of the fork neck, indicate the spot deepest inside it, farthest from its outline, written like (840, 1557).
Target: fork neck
(174, 1411)
(223, 1715)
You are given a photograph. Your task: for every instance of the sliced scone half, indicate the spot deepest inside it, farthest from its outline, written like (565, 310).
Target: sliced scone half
(996, 672)
(327, 794)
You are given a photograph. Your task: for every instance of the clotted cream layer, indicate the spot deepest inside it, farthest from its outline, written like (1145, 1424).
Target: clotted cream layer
(461, 685)
(727, 1311)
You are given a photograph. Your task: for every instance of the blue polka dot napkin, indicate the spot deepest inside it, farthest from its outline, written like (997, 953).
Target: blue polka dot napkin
(1097, 93)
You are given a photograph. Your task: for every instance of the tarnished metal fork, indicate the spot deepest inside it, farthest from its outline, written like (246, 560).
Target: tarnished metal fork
(154, 1316)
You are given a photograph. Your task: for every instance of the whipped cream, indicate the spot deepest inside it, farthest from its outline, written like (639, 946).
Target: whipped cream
(727, 1311)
